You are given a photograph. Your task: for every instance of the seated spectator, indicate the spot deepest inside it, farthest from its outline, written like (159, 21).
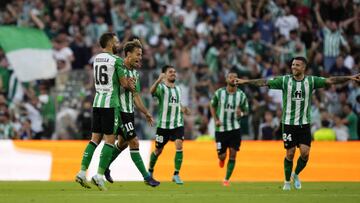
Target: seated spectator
(341, 131)
(26, 133)
(267, 128)
(325, 133)
(6, 128)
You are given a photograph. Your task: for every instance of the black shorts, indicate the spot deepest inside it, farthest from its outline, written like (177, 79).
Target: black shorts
(105, 121)
(127, 130)
(294, 135)
(228, 139)
(164, 135)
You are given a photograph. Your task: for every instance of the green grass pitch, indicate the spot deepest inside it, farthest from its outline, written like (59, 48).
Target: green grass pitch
(207, 192)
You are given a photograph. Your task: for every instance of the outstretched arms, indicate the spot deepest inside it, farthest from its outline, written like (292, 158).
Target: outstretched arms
(255, 82)
(342, 79)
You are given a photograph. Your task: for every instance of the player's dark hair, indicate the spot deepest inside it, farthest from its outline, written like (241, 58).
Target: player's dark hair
(130, 46)
(232, 71)
(165, 68)
(301, 58)
(105, 38)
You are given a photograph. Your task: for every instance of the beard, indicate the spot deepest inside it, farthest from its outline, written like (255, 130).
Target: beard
(232, 85)
(115, 50)
(172, 80)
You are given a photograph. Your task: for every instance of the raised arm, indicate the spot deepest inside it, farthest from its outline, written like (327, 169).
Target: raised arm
(156, 83)
(342, 79)
(344, 24)
(318, 16)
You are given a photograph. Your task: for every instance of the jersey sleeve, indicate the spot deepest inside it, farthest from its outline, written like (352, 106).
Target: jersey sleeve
(244, 104)
(157, 92)
(326, 31)
(215, 99)
(276, 83)
(119, 68)
(319, 82)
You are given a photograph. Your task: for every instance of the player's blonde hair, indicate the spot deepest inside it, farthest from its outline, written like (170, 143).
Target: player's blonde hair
(131, 45)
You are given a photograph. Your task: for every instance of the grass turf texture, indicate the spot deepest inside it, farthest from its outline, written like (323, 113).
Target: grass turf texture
(133, 192)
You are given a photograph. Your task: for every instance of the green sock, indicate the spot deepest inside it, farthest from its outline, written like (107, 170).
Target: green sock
(135, 156)
(300, 165)
(153, 159)
(178, 161)
(87, 156)
(115, 154)
(105, 158)
(288, 165)
(230, 168)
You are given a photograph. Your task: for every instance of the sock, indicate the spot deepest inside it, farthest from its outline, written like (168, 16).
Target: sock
(115, 153)
(301, 163)
(153, 159)
(105, 158)
(230, 168)
(87, 156)
(288, 165)
(135, 156)
(178, 161)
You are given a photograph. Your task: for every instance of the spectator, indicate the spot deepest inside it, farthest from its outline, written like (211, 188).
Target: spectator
(286, 23)
(325, 133)
(267, 128)
(341, 131)
(332, 38)
(351, 120)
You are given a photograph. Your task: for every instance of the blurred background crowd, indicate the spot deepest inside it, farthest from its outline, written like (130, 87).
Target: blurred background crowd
(203, 39)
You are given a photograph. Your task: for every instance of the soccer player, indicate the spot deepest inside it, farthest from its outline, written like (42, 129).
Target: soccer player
(227, 106)
(133, 56)
(297, 91)
(170, 123)
(109, 75)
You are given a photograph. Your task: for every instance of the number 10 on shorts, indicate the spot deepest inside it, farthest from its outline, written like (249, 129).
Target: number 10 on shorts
(129, 126)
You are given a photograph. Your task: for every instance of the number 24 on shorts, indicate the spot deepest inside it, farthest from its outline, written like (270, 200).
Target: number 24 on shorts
(287, 137)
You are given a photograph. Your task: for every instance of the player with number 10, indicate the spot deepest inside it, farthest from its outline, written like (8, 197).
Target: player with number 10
(109, 76)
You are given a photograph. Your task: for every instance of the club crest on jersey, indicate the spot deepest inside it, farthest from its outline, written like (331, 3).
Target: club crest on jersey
(229, 106)
(297, 96)
(173, 99)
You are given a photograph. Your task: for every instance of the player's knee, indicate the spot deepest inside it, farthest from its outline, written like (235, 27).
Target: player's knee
(123, 146)
(305, 156)
(290, 155)
(134, 144)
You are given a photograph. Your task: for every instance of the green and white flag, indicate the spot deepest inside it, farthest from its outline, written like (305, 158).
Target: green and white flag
(29, 53)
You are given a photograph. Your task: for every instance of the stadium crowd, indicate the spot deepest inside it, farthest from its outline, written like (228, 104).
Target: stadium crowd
(204, 40)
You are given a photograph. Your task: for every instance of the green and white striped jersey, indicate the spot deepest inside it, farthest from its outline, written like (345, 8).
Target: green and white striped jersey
(226, 104)
(296, 97)
(107, 71)
(170, 115)
(332, 42)
(126, 96)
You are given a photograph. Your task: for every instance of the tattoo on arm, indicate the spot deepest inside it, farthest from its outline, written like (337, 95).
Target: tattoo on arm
(258, 82)
(339, 79)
